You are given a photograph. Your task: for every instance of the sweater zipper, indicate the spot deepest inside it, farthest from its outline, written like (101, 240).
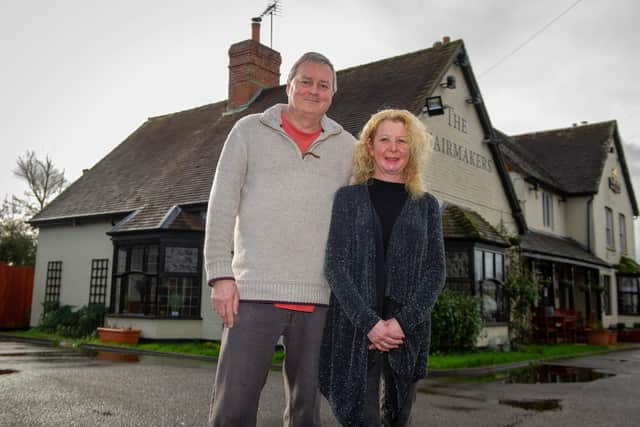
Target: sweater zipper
(309, 152)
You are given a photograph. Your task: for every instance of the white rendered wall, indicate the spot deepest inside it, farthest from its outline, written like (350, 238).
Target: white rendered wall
(460, 168)
(619, 203)
(75, 246)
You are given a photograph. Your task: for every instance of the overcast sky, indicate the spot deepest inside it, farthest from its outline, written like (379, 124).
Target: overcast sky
(78, 76)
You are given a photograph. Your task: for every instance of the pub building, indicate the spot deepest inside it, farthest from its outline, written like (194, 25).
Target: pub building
(129, 232)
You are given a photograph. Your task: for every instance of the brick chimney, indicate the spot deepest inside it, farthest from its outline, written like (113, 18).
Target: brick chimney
(252, 67)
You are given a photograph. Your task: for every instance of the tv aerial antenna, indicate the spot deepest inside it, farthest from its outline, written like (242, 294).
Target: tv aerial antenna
(273, 8)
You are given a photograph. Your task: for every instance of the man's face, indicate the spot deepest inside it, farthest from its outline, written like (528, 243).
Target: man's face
(311, 90)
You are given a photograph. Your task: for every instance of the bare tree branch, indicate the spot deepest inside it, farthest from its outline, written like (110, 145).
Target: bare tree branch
(44, 180)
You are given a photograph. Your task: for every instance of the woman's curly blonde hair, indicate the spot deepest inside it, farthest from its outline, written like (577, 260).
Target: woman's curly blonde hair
(364, 163)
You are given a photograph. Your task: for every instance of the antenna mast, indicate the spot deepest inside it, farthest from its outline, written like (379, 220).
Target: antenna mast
(274, 7)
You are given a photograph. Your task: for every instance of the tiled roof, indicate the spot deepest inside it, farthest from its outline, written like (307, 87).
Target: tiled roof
(465, 224)
(569, 160)
(574, 157)
(561, 247)
(170, 160)
(521, 161)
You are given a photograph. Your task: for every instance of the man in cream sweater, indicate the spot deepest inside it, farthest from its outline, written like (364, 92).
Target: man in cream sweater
(267, 225)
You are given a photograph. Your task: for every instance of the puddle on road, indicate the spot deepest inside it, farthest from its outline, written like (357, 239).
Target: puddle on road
(547, 374)
(534, 374)
(7, 371)
(117, 357)
(534, 404)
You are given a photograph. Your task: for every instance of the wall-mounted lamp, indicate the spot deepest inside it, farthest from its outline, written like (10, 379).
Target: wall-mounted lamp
(450, 83)
(461, 60)
(434, 106)
(475, 100)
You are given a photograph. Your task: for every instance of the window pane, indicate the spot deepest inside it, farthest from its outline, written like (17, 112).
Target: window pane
(122, 261)
(180, 297)
(479, 265)
(136, 294)
(181, 260)
(622, 230)
(137, 257)
(488, 265)
(489, 302)
(152, 259)
(499, 267)
(609, 227)
(116, 297)
(457, 264)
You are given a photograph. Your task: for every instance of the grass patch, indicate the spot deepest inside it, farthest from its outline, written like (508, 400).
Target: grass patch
(436, 361)
(524, 353)
(38, 333)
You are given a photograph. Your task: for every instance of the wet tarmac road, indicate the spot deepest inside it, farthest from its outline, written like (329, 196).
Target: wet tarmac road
(46, 386)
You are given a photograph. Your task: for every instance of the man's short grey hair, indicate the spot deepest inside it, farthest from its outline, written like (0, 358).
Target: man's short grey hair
(313, 57)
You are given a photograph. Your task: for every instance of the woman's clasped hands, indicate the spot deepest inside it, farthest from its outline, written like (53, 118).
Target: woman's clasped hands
(386, 335)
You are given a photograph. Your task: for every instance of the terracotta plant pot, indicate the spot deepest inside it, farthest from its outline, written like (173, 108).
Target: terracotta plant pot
(118, 335)
(598, 337)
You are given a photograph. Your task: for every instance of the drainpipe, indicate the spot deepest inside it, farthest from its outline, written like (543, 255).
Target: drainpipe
(589, 223)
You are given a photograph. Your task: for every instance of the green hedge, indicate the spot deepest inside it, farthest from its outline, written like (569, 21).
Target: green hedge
(63, 320)
(456, 321)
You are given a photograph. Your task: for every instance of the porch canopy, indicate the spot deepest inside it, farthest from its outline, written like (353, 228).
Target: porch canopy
(559, 249)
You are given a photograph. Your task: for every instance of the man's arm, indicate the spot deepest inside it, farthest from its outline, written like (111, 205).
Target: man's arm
(224, 202)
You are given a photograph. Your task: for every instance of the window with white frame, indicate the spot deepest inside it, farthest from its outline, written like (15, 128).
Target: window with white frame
(608, 215)
(547, 209)
(622, 233)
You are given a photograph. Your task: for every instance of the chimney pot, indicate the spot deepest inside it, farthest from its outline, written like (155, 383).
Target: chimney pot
(446, 40)
(255, 29)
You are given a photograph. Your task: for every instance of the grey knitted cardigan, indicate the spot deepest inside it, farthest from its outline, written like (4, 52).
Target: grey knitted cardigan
(415, 276)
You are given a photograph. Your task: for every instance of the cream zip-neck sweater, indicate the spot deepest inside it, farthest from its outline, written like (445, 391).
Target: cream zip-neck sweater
(270, 209)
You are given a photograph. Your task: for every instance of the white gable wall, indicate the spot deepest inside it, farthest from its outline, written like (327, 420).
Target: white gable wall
(75, 246)
(619, 204)
(576, 218)
(460, 168)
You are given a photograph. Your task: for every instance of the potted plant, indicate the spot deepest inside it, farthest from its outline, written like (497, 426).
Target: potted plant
(119, 335)
(597, 335)
(175, 301)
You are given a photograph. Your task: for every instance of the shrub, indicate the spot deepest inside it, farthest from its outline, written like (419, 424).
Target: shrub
(63, 320)
(521, 291)
(456, 321)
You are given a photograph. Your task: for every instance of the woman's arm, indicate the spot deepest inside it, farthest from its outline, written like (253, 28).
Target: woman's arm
(419, 308)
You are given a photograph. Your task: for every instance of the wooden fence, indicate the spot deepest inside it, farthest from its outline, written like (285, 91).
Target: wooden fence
(16, 291)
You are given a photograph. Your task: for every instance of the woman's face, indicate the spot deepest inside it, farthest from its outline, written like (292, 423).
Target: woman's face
(390, 150)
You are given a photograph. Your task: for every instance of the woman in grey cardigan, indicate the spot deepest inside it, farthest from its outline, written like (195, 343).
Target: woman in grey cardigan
(385, 266)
